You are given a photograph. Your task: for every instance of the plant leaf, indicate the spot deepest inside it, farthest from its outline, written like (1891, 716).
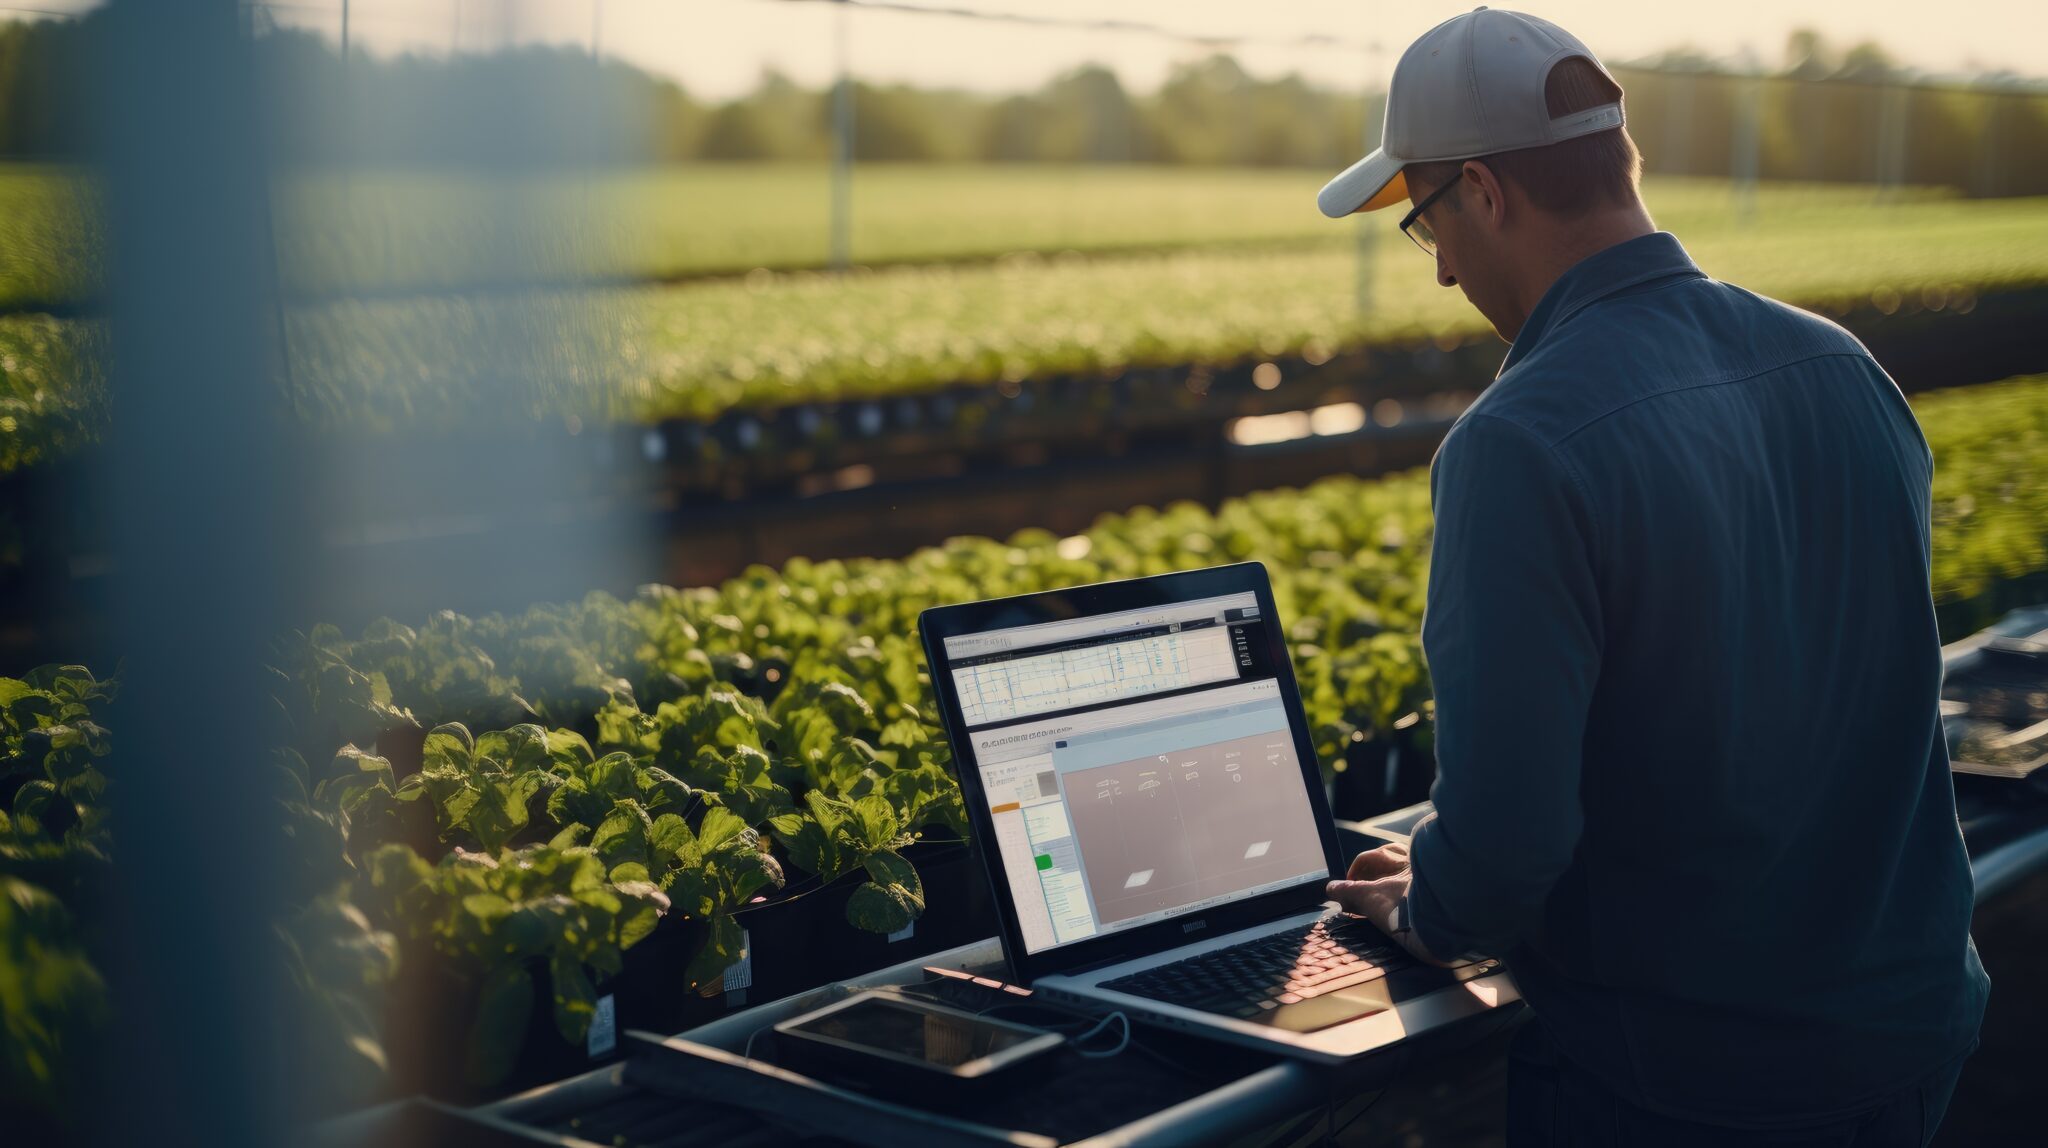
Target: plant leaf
(721, 950)
(718, 827)
(668, 836)
(622, 837)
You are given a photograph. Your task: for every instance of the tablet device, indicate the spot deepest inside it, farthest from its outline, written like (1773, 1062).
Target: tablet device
(883, 1038)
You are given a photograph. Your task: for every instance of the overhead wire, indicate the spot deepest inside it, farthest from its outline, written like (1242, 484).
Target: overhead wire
(1104, 24)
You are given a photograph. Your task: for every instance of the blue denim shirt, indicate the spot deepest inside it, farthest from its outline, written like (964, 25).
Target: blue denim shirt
(1691, 777)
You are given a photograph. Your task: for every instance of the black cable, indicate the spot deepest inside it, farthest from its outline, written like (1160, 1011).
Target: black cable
(1093, 1022)
(1312, 40)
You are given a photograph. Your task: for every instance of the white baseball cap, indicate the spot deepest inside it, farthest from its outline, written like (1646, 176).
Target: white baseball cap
(1471, 86)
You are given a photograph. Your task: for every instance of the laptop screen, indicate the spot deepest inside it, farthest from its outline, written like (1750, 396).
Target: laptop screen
(1137, 765)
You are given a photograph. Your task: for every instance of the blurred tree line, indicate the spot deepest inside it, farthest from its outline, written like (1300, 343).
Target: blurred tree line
(1851, 115)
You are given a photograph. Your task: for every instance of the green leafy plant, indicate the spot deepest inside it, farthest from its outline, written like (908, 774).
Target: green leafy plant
(1990, 509)
(439, 672)
(710, 872)
(340, 964)
(51, 729)
(54, 749)
(499, 916)
(835, 836)
(322, 700)
(56, 858)
(52, 1000)
(483, 786)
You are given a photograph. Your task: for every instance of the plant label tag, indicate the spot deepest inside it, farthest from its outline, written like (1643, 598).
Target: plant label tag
(903, 934)
(741, 975)
(604, 1027)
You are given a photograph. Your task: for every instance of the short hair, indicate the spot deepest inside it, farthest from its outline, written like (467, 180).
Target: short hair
(1571, 177)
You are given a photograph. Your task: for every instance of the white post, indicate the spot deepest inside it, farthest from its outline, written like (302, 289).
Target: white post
(1987, 143)
(1891, 144)
(348, 123)
(842, 147)
(1368, 233)
(1744, 165)
(1678, 125)
(1371, 134)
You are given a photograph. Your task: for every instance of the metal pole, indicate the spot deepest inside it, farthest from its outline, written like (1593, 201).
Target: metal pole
(346, 111)
(1678, 128)
(1746, 161)
(594, 103)
(1371, 135)
(1891, 145)
(1369, 235)
(842, 147)
(1987, 144)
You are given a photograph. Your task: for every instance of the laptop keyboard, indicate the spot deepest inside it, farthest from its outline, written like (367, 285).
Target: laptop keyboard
(1274, 979)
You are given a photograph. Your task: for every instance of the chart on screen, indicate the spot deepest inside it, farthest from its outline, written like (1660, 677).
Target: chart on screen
(1091, 675)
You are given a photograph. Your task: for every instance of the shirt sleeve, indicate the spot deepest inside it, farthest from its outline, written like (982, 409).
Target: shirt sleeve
(1512, 635)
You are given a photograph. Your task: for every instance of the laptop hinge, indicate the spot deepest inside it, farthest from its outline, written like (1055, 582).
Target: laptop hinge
(1104, 963)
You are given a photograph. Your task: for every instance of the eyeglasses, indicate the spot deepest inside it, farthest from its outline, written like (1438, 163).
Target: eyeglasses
(1413, 226)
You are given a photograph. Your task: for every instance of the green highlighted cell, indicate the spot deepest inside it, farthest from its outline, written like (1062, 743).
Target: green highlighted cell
(1044, 860)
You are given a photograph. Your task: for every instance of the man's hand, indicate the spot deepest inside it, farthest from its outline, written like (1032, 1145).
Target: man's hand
(1376, 882)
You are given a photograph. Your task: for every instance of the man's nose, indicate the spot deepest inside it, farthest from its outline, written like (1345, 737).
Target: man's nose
(1444, 278)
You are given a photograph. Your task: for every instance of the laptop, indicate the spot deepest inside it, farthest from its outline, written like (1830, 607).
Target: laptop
(1146, 801)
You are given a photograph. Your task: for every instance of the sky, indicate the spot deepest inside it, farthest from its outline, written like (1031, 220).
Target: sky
(718, 48)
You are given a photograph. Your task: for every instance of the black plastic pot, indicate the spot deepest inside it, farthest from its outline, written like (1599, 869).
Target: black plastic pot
(805, 940)
(403, 747)
(958, 910)
(428, 1013)
(428, 1009)
(651, 992)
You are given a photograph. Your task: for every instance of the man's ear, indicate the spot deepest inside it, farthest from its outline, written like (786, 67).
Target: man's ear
(1485, 196)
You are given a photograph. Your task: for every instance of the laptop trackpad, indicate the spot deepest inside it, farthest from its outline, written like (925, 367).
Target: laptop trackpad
(1335, 1008)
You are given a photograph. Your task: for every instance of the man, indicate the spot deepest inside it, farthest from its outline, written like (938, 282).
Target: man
(1691, 778)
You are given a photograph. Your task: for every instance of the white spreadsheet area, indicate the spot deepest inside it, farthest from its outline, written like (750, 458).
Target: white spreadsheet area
(1114, 671)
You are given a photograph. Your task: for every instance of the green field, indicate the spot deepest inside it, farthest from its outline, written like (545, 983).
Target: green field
(1244, 267)
(701, 349)
(412, 231)
(50, 238)
(669, 223)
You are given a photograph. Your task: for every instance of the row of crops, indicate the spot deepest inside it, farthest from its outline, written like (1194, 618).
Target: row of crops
(438, 362)
(519, 802)
(399, 231)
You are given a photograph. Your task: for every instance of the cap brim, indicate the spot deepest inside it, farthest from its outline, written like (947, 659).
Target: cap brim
(1368, 185)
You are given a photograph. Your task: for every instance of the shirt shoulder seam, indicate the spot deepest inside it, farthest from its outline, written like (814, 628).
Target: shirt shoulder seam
(1679, 277)
(1721, 381)
(1563, 462)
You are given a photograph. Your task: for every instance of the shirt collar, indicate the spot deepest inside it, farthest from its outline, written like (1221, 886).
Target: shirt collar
(1657, 255)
